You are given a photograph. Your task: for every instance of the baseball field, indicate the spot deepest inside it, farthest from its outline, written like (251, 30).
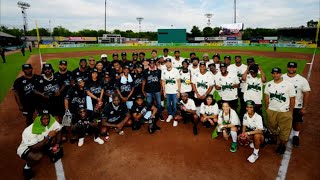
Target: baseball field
(174, 152)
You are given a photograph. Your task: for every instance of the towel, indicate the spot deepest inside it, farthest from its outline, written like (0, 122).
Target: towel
(38, 128)
(124, 80)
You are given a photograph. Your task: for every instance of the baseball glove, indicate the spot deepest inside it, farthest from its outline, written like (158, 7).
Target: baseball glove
(243, 140)
(66, 120)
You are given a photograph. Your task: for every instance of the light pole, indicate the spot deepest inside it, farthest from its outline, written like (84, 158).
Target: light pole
(209, 16)
(105, 15)
(24, 6)
(139, 19)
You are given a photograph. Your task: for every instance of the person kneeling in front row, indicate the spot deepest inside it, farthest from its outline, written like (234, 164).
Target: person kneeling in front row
(39, 138)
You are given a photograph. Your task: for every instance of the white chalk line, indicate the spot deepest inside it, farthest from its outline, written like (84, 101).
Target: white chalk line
(59, 170)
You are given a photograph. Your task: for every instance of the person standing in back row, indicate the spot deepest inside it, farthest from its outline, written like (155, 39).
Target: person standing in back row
(2, 54)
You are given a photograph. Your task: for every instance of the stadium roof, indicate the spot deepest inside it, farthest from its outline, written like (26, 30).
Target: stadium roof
(2, 34)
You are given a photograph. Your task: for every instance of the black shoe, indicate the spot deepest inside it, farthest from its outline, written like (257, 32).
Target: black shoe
(296, 141)
(156, 127)
(195, 130)
(281, 149)
(27, 174)
(207, 124)
(161, 118)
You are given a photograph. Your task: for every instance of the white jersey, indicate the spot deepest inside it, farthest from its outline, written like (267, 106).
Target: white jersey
(171, 57)
(162, 67)
(193, 70)
(239, 70)
(171, 80)
(279, 95)
(185, 79)
(218, 67)
(252, 89)
(214, 77)
(227, 92)
(231, 118)
(177, 63)
(30, 139)
(209, 110)
(253, 123)
(301, 85)
(202, 82)
(190, 104)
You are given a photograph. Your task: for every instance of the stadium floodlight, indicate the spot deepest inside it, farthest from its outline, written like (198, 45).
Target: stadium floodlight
(24, 6)
(209, 16)
(139, 19)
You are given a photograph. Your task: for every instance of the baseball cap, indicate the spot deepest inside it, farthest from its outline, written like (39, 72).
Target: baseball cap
(227, 57)
(176, 51)
(44, 112)
(142, 53)
(47, 66)
(26, 66)
(212, 64)
(79, 79)
(253, 68)
(250, 103)
(94, 70)
(138, 65)
(216, 55)
(135, 54)
(192, 53)
(152, 60)
(205, 55)
(153, 50)
(292, 64)
(237, 56)
(115, 54)
(184, 94)
(104, 56)
(123, 53)
(276, 70)
(202, 63)
(126, 66)
(250, 60)
(186, 61)
(83, 60)
(63, 62)
(223, 65)
(139, 96)
(165, 50)
(81, 106)
(168, 59)
(159, 57)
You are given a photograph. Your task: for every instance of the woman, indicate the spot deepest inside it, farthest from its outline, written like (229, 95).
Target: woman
(125, 87)
(99, 67)
(228, 121)
(94, 89)
(209, 111)
(252, 128)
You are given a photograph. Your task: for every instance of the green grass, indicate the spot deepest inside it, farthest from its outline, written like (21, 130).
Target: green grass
(172, 48)
(10, 70)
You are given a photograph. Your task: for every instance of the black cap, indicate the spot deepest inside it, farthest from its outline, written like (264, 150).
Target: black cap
(227, 57)
(115, 54)
(176, 51)
(202, 63)
(142, 53)
(223, 65)
(63, 62)
(82, 60)
(106, 73)
(212, 64)
(126, 66)
(123, 53)
(253, 68)
(47, 66)
(26, 66)
(276, 70)
(79, 79)
(135, 54)
(165, 50)
(186, 61)
(139, 96)
(94, 70)
(292, 64)
(250, 60)
(216, 55)
(250, 103)
(192, 53)
(237, 56)
(44, 112)
(153, 50)
(152, 60)
(138, 65)
(81, 106)
(168, 59)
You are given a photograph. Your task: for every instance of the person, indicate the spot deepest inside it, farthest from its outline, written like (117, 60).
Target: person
(134, 58)
(194, 66)
(75, 97)
(3, 55)
(252, 128)
(125, 87)
(192, 55)
(142, 113)
(185, 78)
(115, 115)
(188, 111)
(81, 72)
(171, 85)
(115, 57)
(166, 53)
(92, 63)
(202, 84)
(177, 60)
(154, 54)
(142, 56)
(23, 92)
(151, 86)
(23, 50)
(209, 111)
(280, 100)
(138, 79)
(86, 122)
(228, 122)
(124, 59)
(228, 83)
(253, 86)
(94, 89)
(105, 62)
(302, 88)
(227, 62)
(30, 48)
(116, 70)
(37, 140)
(216, 60)
(109, 87)
(99, 67)
(205, 58)
(274, 47)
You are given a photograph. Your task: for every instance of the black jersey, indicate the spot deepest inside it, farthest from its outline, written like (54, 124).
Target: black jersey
(137, 78)
(153, 81)
(124, 86)
(85, 75)
(140, 109)
(64, 79)
(95, 87)
(76, 97)
(48, 86)
(114, 114)
(24, 87)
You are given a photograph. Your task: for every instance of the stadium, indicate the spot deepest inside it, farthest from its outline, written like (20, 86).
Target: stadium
(174, 152)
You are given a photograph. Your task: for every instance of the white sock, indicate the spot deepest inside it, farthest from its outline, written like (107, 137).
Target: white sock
(198, 111)
(162, 103)
(234, 136)
(295, 133)
(255, 151)
(26, 167)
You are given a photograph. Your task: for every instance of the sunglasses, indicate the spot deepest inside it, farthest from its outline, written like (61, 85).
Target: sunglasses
(82, 111)
(91, 60)
(46, 69)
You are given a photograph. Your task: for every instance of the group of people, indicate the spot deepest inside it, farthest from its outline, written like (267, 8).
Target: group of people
(104, 95)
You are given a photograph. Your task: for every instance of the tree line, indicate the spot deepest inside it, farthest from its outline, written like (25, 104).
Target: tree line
(152, 36)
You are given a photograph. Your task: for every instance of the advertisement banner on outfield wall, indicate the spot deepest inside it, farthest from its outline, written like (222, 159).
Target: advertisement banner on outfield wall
(231, 43)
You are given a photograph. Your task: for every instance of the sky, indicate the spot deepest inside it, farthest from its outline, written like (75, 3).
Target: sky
(121, 14)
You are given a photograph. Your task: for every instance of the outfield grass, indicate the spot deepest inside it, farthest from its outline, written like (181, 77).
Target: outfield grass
(172, 48)
(10, 70)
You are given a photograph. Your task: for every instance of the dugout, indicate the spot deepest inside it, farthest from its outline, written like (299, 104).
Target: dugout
(172, 36)
(297, 34)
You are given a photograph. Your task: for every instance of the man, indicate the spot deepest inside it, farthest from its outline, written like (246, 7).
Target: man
(280, 100)
(134, 58)
(302, 88)
(171, 85)
(124, 59)
(228, 83)
(115, 115)
(39, 138)
(105, 62)
(92, 63)
(177, 61)
(30, 48)
(151, 86)
(75, 97)
(202, 84)
(188, 111)
(185, 78)
(192, 55)
(216, 60)
(23, 50)
(227, 61)
(154, 54)
(115, 57)
(24, 94)
(81, 72)
(194, 67)
(142, 113)
(166, 53)
(125, 87)
(142, 56)
(206, 59)
(138, 79)
(3, 55)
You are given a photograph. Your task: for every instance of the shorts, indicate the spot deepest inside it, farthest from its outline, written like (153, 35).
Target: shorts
(297, 116)
(25, 154)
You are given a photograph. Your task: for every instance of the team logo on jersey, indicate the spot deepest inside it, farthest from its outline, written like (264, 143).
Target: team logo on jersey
(202, 84)
(170, 81)
(185, 81)
(227, 87)
(111, 112)
(24, 81)
(152, 79)
(278, 97)
(41, 81)
(254, 87)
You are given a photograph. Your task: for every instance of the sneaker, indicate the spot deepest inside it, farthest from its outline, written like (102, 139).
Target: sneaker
(161, 118)
(175, 123)
(296, 141)
(169, 118)
(81, 142)
(28, 174)
(251, 145)
(233, 147)
(156, 127)
(281, 149)
(98, 140)
(195, 130)
(253, 157)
